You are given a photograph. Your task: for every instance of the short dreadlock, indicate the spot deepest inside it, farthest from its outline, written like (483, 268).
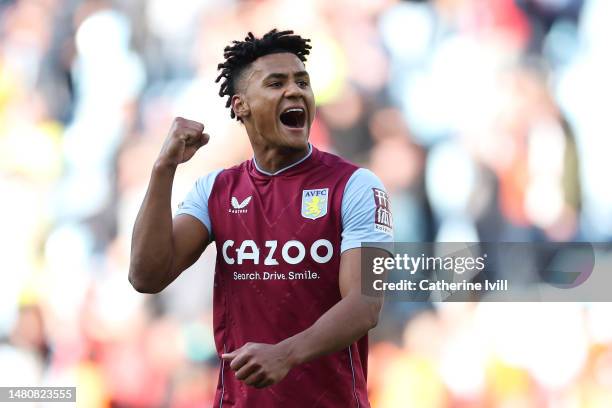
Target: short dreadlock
(242, 53)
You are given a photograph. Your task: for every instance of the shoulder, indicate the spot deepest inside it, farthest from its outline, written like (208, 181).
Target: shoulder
(366, 213)
(363, 178)
(209, 180)
(358, 179)
(336, 162)
(363, 184)
(205, 183)
(364, 192)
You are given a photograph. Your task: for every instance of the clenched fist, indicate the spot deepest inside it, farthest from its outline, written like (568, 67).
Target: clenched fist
(184, 139)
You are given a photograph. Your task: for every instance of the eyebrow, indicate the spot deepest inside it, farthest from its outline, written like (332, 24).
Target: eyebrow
(278, 75)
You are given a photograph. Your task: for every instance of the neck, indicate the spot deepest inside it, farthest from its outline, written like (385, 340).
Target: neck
(273, 158)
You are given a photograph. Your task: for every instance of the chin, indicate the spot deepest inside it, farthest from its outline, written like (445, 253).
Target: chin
(296, 138)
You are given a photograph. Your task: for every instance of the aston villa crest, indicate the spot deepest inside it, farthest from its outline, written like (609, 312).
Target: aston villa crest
(314, 203)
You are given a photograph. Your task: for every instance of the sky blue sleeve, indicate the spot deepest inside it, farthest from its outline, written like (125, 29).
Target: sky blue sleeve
(196, 201)
(366, 213)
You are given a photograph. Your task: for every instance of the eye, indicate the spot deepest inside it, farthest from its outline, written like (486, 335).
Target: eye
(303, 83)
(275, 84)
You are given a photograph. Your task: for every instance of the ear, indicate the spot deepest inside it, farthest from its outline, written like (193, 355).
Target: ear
(240, 106)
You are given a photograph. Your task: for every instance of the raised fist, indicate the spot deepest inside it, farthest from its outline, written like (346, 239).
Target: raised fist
(184, 139)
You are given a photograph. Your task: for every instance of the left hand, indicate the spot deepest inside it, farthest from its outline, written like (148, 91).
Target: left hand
(258, 364)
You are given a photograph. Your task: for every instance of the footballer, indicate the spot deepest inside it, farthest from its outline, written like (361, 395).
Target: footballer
(290, 320)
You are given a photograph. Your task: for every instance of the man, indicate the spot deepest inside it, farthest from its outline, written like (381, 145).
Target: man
(290, 320)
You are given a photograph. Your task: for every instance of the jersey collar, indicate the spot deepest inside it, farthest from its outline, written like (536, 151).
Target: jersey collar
(277, 172)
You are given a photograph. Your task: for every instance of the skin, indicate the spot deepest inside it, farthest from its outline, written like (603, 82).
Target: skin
(163, 247)
(273, 83)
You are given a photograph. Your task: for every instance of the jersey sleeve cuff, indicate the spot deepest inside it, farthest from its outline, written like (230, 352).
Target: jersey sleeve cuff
(204, 220)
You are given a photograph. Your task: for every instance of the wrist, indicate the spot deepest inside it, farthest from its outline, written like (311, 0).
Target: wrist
(164, 165)
(291, 352)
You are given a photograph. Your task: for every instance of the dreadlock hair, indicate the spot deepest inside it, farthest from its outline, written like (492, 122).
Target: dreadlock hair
(241, 54)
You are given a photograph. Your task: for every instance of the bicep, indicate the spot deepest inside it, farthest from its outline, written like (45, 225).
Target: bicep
(351, 262)
(350, 285)
(350, 271)
(190, 238)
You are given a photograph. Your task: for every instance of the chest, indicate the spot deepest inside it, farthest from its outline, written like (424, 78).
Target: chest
(282, 209)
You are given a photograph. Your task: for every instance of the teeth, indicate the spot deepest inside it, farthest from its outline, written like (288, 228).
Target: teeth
(294, 110)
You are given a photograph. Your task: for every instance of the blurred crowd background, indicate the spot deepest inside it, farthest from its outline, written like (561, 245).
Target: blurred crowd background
(487, 120)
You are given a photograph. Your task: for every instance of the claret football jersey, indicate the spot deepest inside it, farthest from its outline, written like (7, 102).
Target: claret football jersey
(279, 238)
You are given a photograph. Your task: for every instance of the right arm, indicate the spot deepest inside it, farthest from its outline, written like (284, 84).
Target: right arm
(162, 247)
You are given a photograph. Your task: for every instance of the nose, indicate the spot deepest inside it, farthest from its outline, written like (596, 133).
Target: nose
(293, 90)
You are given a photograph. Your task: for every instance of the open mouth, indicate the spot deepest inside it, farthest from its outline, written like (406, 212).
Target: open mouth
(293, 118)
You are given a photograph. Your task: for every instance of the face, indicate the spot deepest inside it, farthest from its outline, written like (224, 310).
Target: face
(275, 101)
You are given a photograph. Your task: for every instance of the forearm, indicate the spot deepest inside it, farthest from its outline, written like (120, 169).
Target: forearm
(152, 247)
(347, 321)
